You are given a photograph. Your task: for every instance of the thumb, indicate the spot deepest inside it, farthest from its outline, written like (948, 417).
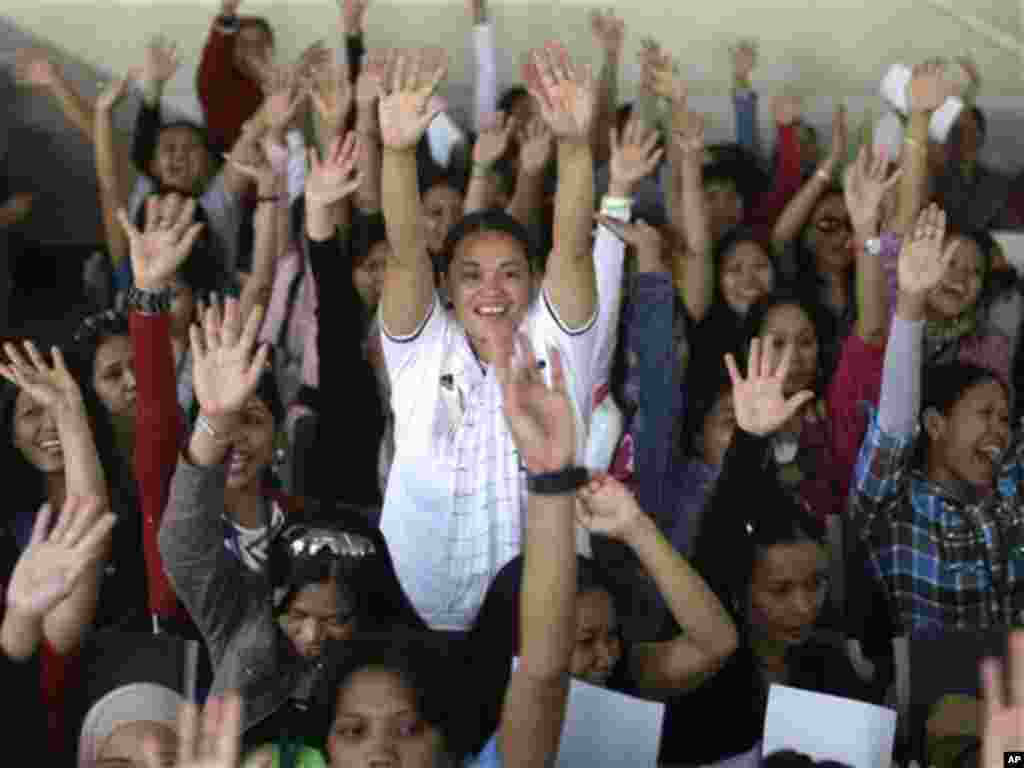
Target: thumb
(798, 401)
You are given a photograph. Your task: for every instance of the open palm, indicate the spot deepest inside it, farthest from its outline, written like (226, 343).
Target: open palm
(566, 96)
(162, 60)
(535, 146)
(216, 742)
(923, 261)
(539, 417)
(52, 386)
(49, 568)
(864, 186)
(634, 156)
(407, 110)
(225, 371)
(161, 248)
(334, 178)
(760, 404)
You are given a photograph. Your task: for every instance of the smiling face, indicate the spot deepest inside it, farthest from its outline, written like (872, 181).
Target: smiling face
(789, 325)
(34, 433)
(442, 209)
(252, 447)
(489, 286)
(125, 747)
(377, 725)
(182, 162)
(746, 276)
(967, 443)
(787, 589)
(960, 287)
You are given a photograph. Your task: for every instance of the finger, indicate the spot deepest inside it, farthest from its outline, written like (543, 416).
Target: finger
(798, 401)
(94, 541)
(653, 160)
(189, 241)
(231, 327)
(211, 327)
(993, 688)
(188, 726)
(782, 369)
(734, 374)
(36, 358)
(947, 254)
(558, 382)
(258, 366)
(18, 363)
(185, 215)
(252, 327)
(893, 180)
(81, 518)
(67, 514)
(768, 357)
(754, 359)
(126, 224)
(195, 338)
(230, 729)
(41, 525)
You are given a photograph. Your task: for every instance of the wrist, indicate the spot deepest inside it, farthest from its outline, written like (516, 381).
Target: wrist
(741, 82)
(149, 296)
(556, 482)
(910, 306)
(222, 424)
(640, 529)
(620, 189)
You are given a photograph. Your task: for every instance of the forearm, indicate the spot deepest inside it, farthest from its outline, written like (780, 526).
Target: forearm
(83, 472)
(745, 106)
(914, 182)
(794, 216)
(527, 199)
(66, 625)
(480, 194)
(110, 186)
(403, 210)
(698, 612)
(485, 92)
(901, 377)
(75, 107)
(607, 101)
(872, 296)
(570, 280)
(266, 249)
(368, 195)
(694, 217)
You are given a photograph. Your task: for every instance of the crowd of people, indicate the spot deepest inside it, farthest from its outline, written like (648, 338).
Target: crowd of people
(596, 400)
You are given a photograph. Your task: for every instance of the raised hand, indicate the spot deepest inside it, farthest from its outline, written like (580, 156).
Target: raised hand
(332, 94)
(536, 143)
(225, 371)
(229, 7)
(608, 508)
(406, 109)
(864, 186)
(113, 93)
(217, 745)
(161, 62)
(760, 405)
(689, 135)
(923, 261)
(609, 30)
(970, 68)
(786, 108)
(312, 59)
(335, 178)
(259, 169)
(162, 247)
(929, 87)
(660, 76)
(352, 13)
(284, 97)
(634, 156)
(840, 138)
(645, 239)
(52, 386)
(744, 59)
(540, 418)
(565, 94)
(1003, 727)
(493, 139)
(375, 73)
(49, 568)
(32, 66)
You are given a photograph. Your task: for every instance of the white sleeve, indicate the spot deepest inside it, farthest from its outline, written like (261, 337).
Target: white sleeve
(486, 84)
(609, 262)
(402, 352)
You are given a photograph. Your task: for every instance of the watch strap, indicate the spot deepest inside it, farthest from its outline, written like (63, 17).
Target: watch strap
(566, 480)
(147, 302)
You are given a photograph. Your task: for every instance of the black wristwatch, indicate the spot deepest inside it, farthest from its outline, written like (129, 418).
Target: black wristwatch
(147, 303)
(228, 24)
(567, 480)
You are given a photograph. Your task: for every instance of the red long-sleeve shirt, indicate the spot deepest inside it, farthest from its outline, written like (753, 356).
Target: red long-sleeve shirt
(785, 186)
(159, 429)
(228, 96)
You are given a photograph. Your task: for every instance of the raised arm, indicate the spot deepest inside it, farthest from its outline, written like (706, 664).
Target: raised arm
(54, 388)
(405, 113)
(697, 270)
(864, 187)
(744, 97)
(371, 79)
(565, 96)
(111, 186)
(543, 429)
(786, 109)
(535, 146)
(33, 67)
(157, 253)
(707, 637)
(609, 31)
(794, 216)
(160, 64)
(332, 96)
(927, 91)
(491, 143)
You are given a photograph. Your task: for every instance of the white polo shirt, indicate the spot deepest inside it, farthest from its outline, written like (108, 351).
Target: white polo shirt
(456, 496)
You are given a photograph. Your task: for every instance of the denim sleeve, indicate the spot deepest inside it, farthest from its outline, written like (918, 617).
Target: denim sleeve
(747, 133)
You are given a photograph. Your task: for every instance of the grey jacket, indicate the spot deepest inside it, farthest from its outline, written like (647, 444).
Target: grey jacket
(230, 604)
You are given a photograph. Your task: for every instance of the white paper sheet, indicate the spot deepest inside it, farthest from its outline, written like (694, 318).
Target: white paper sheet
(607, 729)
(828, 728)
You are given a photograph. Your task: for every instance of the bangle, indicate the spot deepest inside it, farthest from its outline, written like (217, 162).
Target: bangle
(480, 170)
(557, 483)
(203, 425)
(147, 302)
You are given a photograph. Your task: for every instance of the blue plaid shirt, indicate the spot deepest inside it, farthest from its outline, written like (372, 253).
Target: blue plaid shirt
(945, 563)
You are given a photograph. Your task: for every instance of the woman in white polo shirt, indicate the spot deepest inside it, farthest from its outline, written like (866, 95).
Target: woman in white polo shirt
(456, 495)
